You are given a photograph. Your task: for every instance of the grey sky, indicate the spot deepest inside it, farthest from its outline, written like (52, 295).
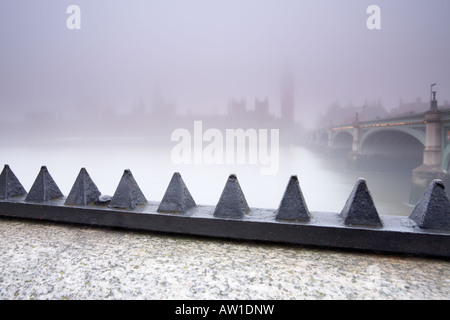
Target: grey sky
(202, 53)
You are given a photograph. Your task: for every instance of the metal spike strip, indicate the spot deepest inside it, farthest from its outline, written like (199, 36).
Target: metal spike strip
(232, 203)
(433, 209)
(293, 206)
(128, 195)
(358, 226)
(84, 191)
(359, 210)
(177, 198)
(10, 186)
(44, 188)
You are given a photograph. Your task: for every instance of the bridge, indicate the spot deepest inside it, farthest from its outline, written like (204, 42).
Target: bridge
(419, 142)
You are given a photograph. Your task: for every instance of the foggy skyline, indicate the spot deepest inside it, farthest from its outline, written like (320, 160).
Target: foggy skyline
(201, 54)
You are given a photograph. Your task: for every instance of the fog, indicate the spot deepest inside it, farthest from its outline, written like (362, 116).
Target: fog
(110, 94)
(200, 54)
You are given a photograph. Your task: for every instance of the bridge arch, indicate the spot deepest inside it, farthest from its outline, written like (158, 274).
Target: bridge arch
(397, 149)
(342, 139)
(341, 143)
(418, 135)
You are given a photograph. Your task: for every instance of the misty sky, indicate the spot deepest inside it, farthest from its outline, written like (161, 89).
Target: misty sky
(201, 53)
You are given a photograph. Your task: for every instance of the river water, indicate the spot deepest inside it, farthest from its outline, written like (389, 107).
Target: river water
(325, 182)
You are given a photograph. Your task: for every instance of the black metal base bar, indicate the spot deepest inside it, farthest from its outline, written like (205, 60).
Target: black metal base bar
(358, 226)
(398, 234)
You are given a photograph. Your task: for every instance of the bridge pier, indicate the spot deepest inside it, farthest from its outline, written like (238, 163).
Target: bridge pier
(431, 168)
(354, 156)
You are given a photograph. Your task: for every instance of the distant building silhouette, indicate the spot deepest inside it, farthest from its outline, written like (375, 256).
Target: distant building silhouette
(262, 108)
(239, 115)
(156, 119)
(417, 106)
(236, 108)
(338, 115)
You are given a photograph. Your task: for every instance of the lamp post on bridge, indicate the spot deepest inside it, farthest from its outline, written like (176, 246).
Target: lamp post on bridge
(432, 155)
(433, 104)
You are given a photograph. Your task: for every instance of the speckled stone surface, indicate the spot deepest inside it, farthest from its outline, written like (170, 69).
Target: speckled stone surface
(40, 260)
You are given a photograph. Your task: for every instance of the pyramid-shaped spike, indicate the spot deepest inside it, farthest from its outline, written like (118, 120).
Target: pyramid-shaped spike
(232, 203)
(293, 205)
(177, 198)
(359, 210)
(433, 209)
(44, 187)
(127, 195)
(10, 186)
(84, 191)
